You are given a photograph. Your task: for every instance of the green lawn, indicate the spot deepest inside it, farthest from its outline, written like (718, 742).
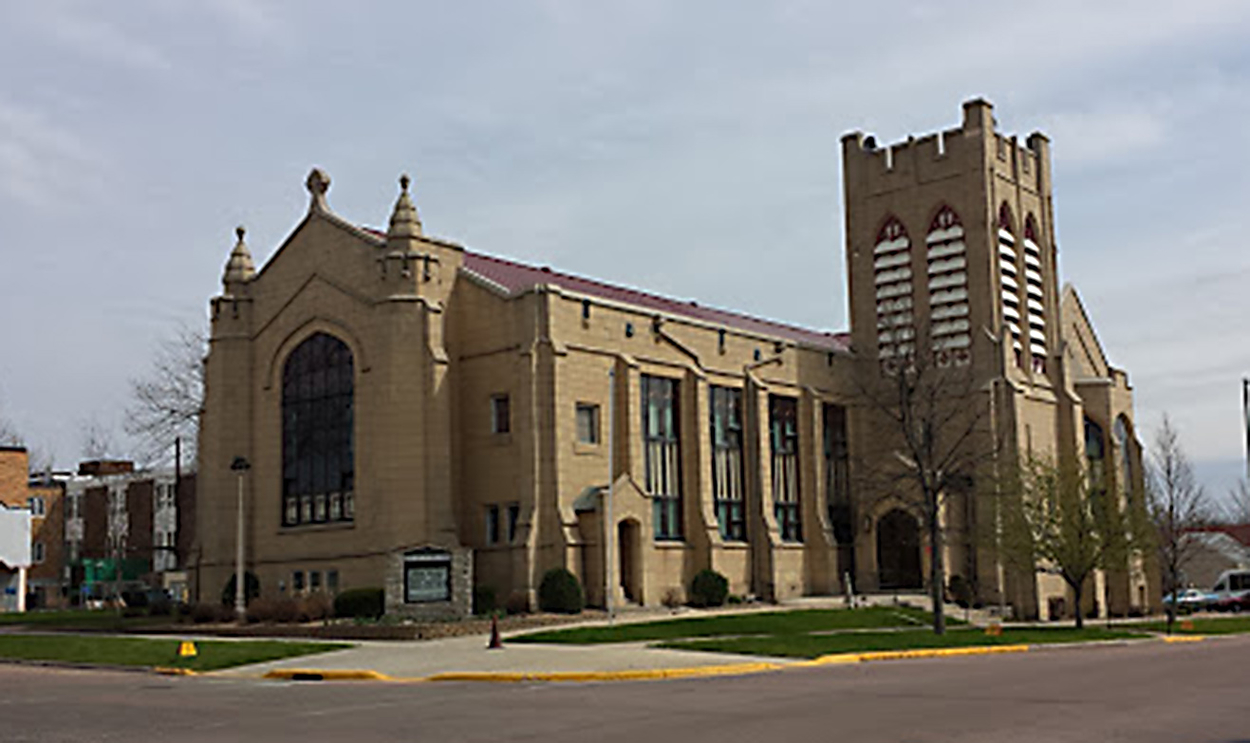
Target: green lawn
(1204, 626)
(133, 651)
(814, 646)
(798, 621)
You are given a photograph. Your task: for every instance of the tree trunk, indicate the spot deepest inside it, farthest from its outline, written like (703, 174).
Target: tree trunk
(936, 583)
(1080, 610)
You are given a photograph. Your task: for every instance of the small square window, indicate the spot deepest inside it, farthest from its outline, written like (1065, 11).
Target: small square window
(492, 524)
(297, 581)
(500, 421)
(314, 580)
(514, 517)
(292, 510)
(336, 507)
(587, 423)
(319, 507)
(306, 508)
(332, 581)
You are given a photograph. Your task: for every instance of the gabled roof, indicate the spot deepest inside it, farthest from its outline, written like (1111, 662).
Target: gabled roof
(516, 278)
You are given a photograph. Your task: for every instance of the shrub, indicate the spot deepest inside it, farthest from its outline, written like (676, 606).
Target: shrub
(484, 600)
(369, 603)
(315, 607)
(672, 598)
(709, 588)
(518, 603)
(960, 591)
(161, 608)
(251, 589)
(560, 592)
(272, 610)
(734, 599)
(204, 613)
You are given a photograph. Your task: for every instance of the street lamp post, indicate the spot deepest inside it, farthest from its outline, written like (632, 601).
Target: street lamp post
(240, 466)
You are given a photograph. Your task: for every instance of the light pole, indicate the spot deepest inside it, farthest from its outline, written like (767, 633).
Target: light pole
(240, 467)
(1245, 417)
(610, 527)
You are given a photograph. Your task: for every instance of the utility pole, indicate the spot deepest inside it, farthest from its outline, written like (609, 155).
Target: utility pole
(240, 467)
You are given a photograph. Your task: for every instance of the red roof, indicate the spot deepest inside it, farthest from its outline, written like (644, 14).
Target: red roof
(518, 277)
(1240, 532)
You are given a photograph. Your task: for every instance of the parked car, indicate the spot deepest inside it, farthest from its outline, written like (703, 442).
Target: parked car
(1235, 603)
(1190, 599)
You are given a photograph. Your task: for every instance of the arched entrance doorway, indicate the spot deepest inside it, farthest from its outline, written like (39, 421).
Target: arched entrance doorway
(627, 547)
(898, 551)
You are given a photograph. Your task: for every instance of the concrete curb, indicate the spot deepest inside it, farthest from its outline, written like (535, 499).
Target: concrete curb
(641, 674)
(328, 674)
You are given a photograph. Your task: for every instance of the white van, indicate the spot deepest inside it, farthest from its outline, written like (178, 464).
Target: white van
(1231, 591)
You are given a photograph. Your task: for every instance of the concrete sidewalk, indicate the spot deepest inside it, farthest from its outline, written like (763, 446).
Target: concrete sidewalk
(468, 655)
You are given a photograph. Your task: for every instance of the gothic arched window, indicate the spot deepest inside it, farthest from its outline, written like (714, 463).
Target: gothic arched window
(1095, 457)
(318, 456)
(1123, 455)
(891, 262)
(948, 289)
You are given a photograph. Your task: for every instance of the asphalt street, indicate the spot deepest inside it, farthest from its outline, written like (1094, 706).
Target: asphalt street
(1152, 692)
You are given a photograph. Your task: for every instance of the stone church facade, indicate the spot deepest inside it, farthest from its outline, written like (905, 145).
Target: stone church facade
(421, 417)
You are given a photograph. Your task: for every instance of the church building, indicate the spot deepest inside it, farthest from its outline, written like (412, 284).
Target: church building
(385, 408)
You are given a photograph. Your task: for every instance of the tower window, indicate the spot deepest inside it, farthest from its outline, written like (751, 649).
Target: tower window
(500, 420)
(949, 327)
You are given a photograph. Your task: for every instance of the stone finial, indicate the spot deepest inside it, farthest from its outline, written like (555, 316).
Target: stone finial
(404, 220)
(318, 183)
(239, 267)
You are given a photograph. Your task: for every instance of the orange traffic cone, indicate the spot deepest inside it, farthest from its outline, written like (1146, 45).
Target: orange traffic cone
(495, 642)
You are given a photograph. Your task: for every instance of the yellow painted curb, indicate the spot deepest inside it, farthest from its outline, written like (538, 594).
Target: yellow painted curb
(164, 671)
(941, 652)
(314, 674)
(736, 669)
(1184, 638)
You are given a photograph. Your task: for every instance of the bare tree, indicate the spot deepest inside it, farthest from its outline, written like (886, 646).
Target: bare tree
(1177, 506)
(9, 435)
(166, 402)
(96, 438)
(1064, 524)
(936, 417)
(1237, 509)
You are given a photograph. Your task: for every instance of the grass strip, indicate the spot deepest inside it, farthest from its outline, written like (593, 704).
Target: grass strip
(814, 646)
(135, 651)
(1202, 626)
(78, 619)
(798, 621)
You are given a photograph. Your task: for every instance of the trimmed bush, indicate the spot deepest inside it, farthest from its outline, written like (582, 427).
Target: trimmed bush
(484, 600)
(205, 613)
(960, 591)
(560, 592)
(709, 588)
(518, 603)
(369, 603)
(251, 589)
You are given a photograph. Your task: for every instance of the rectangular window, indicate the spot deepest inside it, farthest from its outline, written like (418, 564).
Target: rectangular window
(500, 421)
(663, 454)
(514, 516)
(314, 580)
(37, 552)
(36, 506)
(332, 581)
(727, 462)
(587, 423)
(492, 524)
(783, 417)
(297, 581)
(838, 474)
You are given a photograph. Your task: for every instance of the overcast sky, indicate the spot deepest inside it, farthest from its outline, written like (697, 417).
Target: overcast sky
(689, 148)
